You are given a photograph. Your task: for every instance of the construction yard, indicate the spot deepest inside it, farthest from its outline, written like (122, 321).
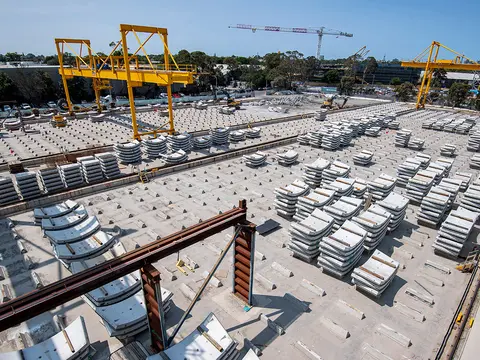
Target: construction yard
(317, 315)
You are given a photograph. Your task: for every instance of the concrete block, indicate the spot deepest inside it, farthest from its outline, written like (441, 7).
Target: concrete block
(187, 291)
(296, 302)
(167, 274)
(394, 335)
(438, 267)
(190, 262)
(141, 224)
(259, 256)
(15, 235)
(6, 293)
(269, 285)
(374, 353)
(281, 269)
(153, 235)
(334, 328)
(313, 288)
(409, 312)
(36, 280)
(419, 296)
(248, 344)
(213, 281)
(350, 310)
(306, 351)
(21, 247)
(271, 324)
(29, 264)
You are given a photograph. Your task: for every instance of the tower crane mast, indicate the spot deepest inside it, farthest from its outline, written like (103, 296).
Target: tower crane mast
(318, 31)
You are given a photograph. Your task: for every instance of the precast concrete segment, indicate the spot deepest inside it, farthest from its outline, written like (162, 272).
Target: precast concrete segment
(268, 284)
(334, 328)
(409, 312)
(70, 343)
(420, 296)
(350, 310)
(282, 269)
(394, 335)
(436, 266)
(313, 288)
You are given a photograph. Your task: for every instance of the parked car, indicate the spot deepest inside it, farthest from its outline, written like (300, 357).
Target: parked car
(25, 106)
(52, 104)
(7, 108)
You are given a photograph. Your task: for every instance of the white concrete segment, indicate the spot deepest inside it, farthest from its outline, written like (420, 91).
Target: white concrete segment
(394, 335)
(268, 284)
(80, 231)
(65, 221)
(420, 296)
(282, 269)
(351, 310)
(437, 266)
(55, 210)
(313, 288)
(57, 347)
(85, 248)
(409, 312)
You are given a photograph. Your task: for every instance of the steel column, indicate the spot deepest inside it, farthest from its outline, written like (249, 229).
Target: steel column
(243, 263)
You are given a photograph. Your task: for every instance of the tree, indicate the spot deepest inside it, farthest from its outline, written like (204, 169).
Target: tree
(395, 81)
(346, 85)
(331, 77)
(370, 67)
(35, 87)
(405, 91)
(476, 102)
(13, 56)
(8, 89)
(439, 76)
(458, 93)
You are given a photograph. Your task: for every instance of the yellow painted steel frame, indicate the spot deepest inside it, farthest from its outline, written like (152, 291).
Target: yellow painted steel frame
(432, 63)
(101, 68)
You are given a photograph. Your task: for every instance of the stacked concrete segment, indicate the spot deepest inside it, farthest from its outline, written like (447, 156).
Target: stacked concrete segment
(237, 136)
(286, 197)
(175, 157)
(419, 185)
(153, 147)
(287, 158)
(202, 142)
(312, 174)
(340, 251)
(465, 178)
(306, 234)
(335, 171)
(8, 193)
(27, 185)
(220, 135)
(454, 231)
(109, 165)
(396, 205)
(71, 175)
(341, 187)
(91, 169)
(375, 221)
(434, 207)
(407, 170)
(344, 209)
(363, 158)
(50, 180)
(376, 274)
(382, 186)
(316, 199)
(255, 160)
(128, 153)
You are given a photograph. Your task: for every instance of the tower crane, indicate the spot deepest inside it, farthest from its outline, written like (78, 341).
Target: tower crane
(318, 31)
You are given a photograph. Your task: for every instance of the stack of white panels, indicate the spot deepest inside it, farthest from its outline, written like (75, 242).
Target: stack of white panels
(344, 209)
(8, 193)
(306, 235)
(474, 141)
(375, 221)
(359, 188)
(175, 157)
(396, 205)
(363, 158)
(335, 171)
(448, 150)
(446, 163)
(373, 131)
(314, 138)
(346, 137)
(475, 161)
(452, 186)
(402, 137)
(454, 232)
(253, 133)
(439, 170)
(220, 135)
(419, 185)
(27, 185)
(466, 178)
(320, 115)
(286, 197)
(424, 159)
(331, 141)
(416, 144)
(376, 274)
(313, 172)
(340, 251)
(471, 198)
(202, 142)
(71, 175)
(237, 135)
(50, 180)
(316, 199)
(128, 153)
(287, 158)
(341, 186)
(382, 186)
(179, 142)
(255, 160)
(208, 341)
(91, 169)
(433, 207)
(153, 147)
(407, 170)
(109, 164)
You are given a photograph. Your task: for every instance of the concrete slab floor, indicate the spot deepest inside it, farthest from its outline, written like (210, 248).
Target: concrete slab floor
(219, 187)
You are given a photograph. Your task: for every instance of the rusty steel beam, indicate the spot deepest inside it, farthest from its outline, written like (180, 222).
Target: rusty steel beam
(36, 302)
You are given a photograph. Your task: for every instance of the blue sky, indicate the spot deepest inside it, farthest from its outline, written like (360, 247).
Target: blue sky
(397, 29)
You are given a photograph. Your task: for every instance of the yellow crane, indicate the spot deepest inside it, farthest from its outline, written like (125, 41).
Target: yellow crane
(459, 62)
(126, 67)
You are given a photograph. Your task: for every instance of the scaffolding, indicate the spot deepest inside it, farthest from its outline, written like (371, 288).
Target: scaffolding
(126, 67)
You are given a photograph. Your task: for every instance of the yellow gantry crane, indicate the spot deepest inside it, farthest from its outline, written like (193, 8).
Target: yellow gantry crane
(459, 62)
(125, 67)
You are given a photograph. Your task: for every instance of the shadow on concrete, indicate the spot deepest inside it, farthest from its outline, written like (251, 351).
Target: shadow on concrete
(174, 316)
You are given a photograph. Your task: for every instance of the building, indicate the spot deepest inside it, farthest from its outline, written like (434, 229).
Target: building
(386, 72)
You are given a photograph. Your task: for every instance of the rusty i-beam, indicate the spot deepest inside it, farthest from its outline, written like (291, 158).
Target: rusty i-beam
(36, 302)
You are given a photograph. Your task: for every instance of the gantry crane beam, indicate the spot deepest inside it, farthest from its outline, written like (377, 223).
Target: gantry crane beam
(125, 68)
(318, 31)
(459, 62)
(36, 302)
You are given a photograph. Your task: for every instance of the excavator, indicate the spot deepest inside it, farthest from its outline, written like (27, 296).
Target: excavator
(329, 104)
